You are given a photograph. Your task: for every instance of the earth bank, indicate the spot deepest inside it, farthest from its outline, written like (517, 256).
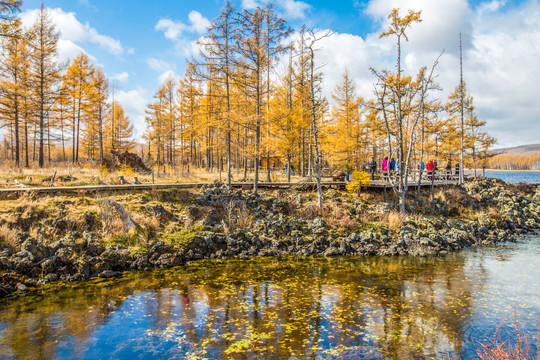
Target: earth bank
(71, 239)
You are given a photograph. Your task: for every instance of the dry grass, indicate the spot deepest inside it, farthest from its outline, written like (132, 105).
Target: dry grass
(88, 173)
(394, 220)
(454, 195)
(346, 223)
(111, 222)
(333, 214)
(237, 216)
(8, 236)
(145, 221)
(310, 210)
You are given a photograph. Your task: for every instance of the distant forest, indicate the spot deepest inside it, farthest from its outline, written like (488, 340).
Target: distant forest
(525, 157)
(515, 162)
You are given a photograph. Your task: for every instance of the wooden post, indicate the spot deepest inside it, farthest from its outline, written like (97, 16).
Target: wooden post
(53, 177)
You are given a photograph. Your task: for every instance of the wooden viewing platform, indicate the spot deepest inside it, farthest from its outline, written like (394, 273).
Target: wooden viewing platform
(242, 185)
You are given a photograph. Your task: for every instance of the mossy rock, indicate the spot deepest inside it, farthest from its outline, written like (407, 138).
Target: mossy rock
(181, 239)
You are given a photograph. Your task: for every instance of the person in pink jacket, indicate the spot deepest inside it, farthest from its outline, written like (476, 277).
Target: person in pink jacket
(385, 164)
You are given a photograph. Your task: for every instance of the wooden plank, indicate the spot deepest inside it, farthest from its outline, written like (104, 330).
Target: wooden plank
(96, 188)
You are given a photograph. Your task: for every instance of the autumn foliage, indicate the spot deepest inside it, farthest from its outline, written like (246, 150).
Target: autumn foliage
(250, 103)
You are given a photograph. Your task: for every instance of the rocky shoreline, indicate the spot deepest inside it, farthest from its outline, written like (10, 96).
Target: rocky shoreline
(504, 212)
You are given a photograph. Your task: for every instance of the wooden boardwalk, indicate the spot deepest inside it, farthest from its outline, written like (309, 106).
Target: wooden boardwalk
(242, 185)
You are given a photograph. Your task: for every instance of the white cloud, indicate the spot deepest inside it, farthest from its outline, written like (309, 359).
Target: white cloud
(159, 65)
(502, 73)
(250, 4)
(290, 9)
(68, 50)
(173, 29)
(166, 75)
(134, 104)
(491, 6)
(501, 52)
(74, 31)
(442, 21)
(123, 77)
(294, 9)
(198, 22)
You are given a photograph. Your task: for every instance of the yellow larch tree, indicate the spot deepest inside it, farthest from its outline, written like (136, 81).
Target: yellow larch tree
(345, 127)
(14, 61)
(77, 82)
(44, 70)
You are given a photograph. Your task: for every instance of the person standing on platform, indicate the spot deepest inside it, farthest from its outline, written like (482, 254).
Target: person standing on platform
(430, 168)
(372, 168)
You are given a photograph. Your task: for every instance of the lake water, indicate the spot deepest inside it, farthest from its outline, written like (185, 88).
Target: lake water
(339, 308)
(515, 176)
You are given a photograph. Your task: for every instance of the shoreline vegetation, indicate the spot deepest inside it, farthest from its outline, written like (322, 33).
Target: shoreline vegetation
(71, 238)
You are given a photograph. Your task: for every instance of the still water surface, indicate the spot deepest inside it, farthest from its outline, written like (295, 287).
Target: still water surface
(341, 308)
(515, 176)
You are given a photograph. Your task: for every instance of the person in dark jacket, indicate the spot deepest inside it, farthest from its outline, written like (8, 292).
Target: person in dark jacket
(372, 168)
(448, 170)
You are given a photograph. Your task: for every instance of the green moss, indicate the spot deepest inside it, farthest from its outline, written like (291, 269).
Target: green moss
(368, 226)
(128, 240)
(137, 250)
(184, 237)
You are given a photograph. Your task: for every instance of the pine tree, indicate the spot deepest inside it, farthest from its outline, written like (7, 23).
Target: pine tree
(13, 64)
(189, 108)
(399, 99)
(99, 93)
(257, 31)
(77, 80)
(218, 52)
(286, 112)
(155, 126)
(124, 130)
(346, 122)
(170, 119)
(44, 71)
(8, 10)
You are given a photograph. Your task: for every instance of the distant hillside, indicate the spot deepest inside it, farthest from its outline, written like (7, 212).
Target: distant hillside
(524, 157)
(523, 150)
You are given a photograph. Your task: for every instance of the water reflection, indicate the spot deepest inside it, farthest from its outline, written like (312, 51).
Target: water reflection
(316, 308)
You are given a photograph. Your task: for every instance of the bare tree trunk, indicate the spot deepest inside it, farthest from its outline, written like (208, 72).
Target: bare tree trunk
(461, 178)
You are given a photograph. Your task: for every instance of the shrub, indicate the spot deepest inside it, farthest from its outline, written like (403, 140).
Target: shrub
(362, 178)
(125, 169)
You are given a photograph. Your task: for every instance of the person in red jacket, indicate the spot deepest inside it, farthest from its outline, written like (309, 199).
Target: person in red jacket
(385, 164)
(430, 166)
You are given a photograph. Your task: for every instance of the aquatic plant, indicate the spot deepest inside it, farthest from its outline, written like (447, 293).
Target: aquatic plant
(518, 349)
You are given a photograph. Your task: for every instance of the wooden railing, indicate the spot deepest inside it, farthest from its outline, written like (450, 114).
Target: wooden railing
(414, 175)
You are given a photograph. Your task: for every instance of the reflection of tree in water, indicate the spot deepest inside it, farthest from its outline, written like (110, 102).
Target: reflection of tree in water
(339, 308)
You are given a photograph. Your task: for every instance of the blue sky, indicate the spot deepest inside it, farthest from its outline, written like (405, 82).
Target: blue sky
(139, 43)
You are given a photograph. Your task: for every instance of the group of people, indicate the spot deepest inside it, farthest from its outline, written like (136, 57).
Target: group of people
(391, 166)
(432, 167)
